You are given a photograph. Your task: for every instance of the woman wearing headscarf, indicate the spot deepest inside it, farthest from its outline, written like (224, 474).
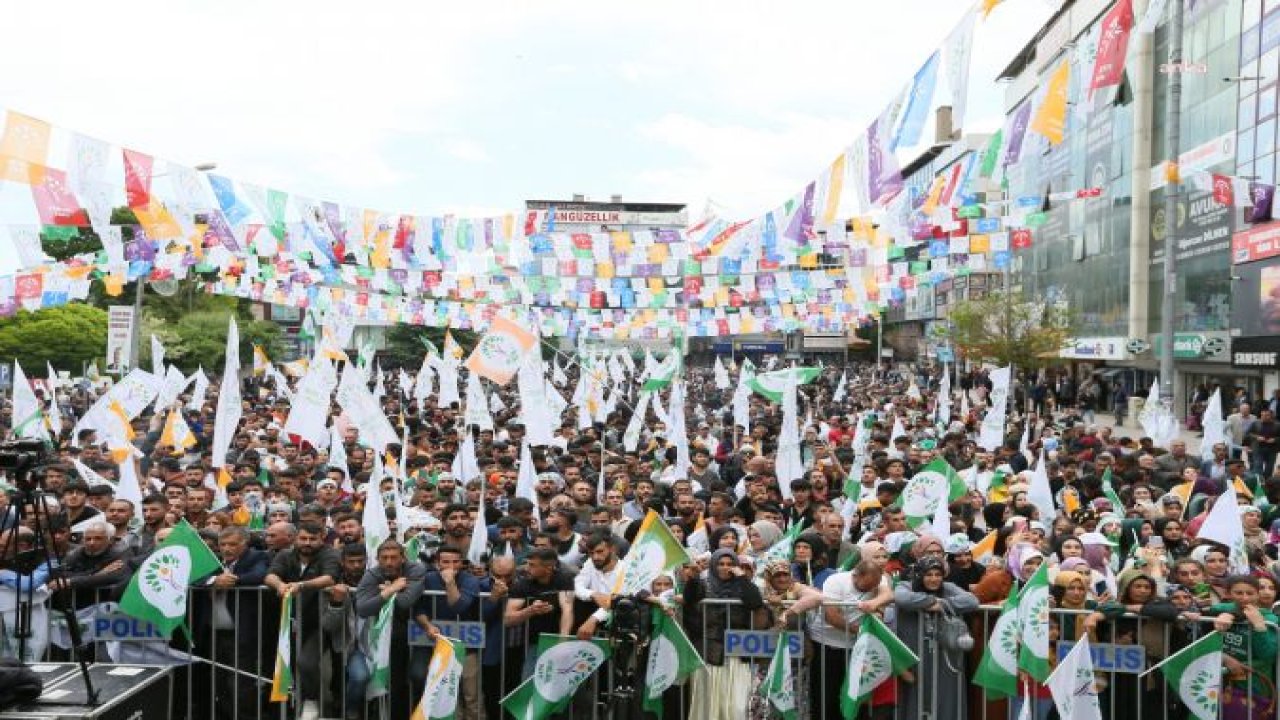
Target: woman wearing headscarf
(787, 601)
(761, 535)
(721, 690)
(964, 573)
(810, 560)
(1136, 595)
(1070, 592)
(1171, 534)
(920, 609)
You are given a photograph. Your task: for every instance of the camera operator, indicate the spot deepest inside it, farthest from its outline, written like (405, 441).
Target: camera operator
(542, 601)
(15, 583)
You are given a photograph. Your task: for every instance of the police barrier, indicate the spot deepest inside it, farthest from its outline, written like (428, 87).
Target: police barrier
(233, 641)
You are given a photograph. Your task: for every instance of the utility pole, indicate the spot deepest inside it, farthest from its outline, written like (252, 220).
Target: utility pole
(1172, 189)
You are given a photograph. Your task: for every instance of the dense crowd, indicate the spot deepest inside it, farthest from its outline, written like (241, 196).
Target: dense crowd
(290, 521)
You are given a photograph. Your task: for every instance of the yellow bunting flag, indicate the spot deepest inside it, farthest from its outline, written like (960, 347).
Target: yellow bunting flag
(988, 6)
(24, 148)
(1051, 118)
(835, 186)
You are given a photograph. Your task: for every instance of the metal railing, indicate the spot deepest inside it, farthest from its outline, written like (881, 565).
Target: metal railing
(224, 662)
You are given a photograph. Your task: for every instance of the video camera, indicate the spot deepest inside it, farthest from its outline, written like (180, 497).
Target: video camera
(19, 457)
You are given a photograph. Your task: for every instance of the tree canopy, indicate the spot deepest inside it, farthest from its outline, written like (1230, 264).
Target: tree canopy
(66, 336)
(1008, 328)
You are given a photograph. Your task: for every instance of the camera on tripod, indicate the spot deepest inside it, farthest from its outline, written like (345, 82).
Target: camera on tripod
(19, 457)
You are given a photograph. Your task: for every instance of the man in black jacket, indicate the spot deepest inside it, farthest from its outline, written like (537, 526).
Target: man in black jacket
(227, 615)
(304, 570)
(399, 581)
(95, 570)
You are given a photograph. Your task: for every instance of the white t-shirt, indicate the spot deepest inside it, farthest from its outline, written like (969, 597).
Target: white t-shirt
(839, 588)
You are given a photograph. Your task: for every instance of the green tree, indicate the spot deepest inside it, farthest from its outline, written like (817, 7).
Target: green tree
(406, 344)
(1009, 328)
(67, 336)
(200, 338)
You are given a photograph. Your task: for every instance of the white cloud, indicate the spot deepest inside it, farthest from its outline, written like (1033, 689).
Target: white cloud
(467, 150)
(743, 102)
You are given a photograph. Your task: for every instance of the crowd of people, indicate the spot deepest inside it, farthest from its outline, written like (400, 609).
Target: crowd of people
(1125, 563)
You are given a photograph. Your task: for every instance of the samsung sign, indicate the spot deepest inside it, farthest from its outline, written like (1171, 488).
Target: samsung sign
(1256, 352)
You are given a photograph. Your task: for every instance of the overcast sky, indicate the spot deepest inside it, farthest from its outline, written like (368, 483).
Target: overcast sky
(431, 107)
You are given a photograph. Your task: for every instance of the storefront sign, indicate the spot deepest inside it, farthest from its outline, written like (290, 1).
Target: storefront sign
(1095, 348)
(1256, 243)
(1192, 345)
(1256, 352)
(1201, 157)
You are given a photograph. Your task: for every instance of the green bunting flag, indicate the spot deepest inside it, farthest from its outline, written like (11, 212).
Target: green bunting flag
(998, 671)
(564, 662)
(158, 591)
(672, 658)
(876, 656)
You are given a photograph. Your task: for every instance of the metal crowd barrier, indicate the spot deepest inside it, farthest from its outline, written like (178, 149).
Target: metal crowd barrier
(225, 663)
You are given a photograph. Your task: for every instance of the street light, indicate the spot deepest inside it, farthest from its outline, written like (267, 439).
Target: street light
(136, 352)
(1173, 185)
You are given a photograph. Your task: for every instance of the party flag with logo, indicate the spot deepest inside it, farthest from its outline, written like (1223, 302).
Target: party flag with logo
(158, 592)
(1033, 621)
(1195, 675)
(998, 671)
(444, 679)
(672, 658)
(564, 663)
(654, 552)
(877, 655)
(780, 681)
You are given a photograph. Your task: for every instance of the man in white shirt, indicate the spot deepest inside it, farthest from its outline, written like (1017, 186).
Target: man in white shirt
(595, 581)
(847, 597)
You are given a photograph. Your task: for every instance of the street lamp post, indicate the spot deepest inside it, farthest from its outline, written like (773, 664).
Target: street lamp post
(136, 343)
(1172, 188)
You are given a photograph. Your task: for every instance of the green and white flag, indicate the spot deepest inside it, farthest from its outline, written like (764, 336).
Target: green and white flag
(1195, 675)
(1073, 687)
(444, 680)
(1110, 492)
(780, 681)
(877, 655)
(564, 662)
(935, 484)
(380, 650)
(1033, 622)
(772, 385)
(28, 415)
(158, 592)
(282, 677)
(654, 551)
(998, 671)
(663, 373)
(672, 658)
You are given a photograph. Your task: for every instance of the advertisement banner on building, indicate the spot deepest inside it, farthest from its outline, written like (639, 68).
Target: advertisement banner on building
(1255, 298)
(119, 337)
(1203, 227)
(1095, 348)
(1257, 243)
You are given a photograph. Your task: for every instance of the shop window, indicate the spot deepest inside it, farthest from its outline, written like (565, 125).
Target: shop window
(1244, 148)
(1265, 167)
(1267, 103)
(1247, 112)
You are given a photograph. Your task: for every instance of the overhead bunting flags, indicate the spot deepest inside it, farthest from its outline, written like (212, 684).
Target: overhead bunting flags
(957, 54)
(921, 99)
(1113, 45)
(1051, 117)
